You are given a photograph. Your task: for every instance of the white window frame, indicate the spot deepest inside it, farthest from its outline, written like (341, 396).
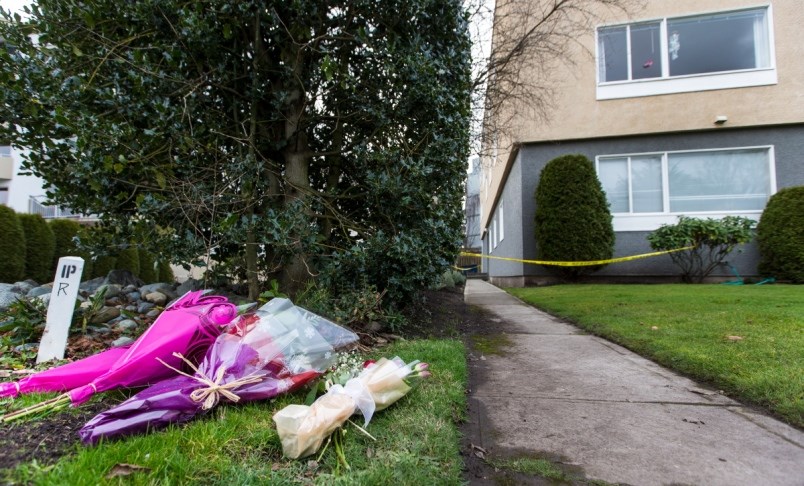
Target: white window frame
(651, 221)
(687, 83)
(500, 217)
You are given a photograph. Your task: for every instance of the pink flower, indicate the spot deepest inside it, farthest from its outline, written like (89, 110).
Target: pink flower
(368, 363)
(421, 367)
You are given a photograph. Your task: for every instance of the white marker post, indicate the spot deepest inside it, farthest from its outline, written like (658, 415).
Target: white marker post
(60, 309)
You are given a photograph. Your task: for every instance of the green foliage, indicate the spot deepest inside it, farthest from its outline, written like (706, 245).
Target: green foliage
(12, 246)
(148, 272)
(285, 152)
(165, 272)
(573, 222)
(273, 293)
(40, 245)
(450, 278)
(102, 265)
(87, 312)
(23, 321)
(780, 234)
(65, 231)
(712, 241)
(128, 259)
(357, 308)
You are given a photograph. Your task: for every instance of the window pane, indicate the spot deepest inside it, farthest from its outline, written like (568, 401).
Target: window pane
(613, 174)
(5, 151)
(646, 51)
(613, 52)
(646, 184)
(721, 42)
(729, 180)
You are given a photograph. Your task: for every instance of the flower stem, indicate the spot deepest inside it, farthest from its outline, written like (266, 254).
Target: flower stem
(48, 405)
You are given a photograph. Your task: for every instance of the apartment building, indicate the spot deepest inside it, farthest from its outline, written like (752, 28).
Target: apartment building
(686, 108)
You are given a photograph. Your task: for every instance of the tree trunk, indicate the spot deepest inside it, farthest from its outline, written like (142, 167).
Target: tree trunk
(252, 272)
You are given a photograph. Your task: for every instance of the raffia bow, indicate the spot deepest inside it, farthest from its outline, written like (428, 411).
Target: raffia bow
(211, 394)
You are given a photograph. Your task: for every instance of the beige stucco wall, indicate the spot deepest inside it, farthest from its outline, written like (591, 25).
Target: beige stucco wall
(577, 114)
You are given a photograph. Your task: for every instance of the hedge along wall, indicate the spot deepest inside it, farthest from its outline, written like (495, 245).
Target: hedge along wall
(148, 273)
(780, 234)
(103, 265)
(40, 245)
(66, 230)
(165, 273)
(129, 259)
(12, 246)
(572, 220)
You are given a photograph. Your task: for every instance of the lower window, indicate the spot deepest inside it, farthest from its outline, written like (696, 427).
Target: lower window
(671, 183)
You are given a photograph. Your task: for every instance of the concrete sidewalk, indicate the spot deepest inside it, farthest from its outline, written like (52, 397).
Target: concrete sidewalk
(557, 392)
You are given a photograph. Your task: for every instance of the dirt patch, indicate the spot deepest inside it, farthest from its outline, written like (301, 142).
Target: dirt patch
(45, 440)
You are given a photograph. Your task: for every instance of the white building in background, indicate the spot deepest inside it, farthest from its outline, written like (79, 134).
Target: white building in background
(472, 207)
(16, 190)
(26, 193)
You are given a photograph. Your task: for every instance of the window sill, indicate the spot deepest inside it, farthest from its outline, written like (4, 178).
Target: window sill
(686, 84)
(652, 222)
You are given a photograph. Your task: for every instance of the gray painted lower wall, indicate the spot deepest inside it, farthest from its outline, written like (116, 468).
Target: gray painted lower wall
(519, 205)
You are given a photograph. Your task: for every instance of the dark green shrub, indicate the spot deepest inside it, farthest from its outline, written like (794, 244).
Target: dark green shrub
(40, 245)
(147, 271)
(164, 272)
(780, 235)
(103, 265)
(12, 246)
(573, 222)
(65, 231)
(128, 259)
(712, 240)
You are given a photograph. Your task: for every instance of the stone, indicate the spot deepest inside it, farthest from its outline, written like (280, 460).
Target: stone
(114, 301)
(105, 314)
(162, 287)
(7, 297)
(127, 324)
(153, 313)
(112, 290)
(130, 288)
(122, 341)
(130, 308)
(156, 298)
(90, 286)
(123, 278)
(26, 347)
(189, 285)
(133, 296)
(41, 290)
(25, 286)
(144, 307)
(101, 330)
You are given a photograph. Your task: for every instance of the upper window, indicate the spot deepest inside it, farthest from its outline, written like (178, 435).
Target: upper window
(5, 151)
(670, 55)
(712, 182)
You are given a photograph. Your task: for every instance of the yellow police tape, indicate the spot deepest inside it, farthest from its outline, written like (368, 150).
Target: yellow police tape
(581, 264)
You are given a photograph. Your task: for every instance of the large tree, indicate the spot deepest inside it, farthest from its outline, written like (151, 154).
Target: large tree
(300, 136)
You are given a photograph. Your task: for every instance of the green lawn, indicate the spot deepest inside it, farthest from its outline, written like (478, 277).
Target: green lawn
(696, 329)
(417, 441)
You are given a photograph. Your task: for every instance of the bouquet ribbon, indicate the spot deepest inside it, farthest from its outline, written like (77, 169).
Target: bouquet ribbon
(212, 393)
